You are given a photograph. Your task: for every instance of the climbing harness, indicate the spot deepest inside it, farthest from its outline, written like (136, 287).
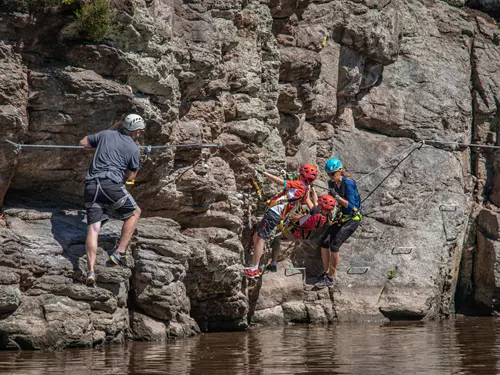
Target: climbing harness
(145, 154)
(114, 206)
(323, 43)
(256, 185)
(292, 226)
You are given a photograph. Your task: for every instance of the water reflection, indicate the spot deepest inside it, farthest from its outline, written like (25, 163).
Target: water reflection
(464, 346)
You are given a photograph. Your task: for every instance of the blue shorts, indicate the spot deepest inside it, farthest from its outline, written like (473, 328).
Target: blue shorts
(270, 220)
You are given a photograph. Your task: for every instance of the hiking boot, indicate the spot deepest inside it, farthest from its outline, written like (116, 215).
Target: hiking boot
(322, 276)
(90, 279)
(272, 268)
(326, 281)
(251, 274)
(119, 258)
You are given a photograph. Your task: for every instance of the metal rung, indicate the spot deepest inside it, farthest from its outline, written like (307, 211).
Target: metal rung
(448, 207)
(357, 270)
(302, 270)
(401, 250)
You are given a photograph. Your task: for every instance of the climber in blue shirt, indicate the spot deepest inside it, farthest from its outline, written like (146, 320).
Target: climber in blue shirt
(346, 193)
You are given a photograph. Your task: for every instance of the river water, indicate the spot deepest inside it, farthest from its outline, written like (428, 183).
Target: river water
(462, 346)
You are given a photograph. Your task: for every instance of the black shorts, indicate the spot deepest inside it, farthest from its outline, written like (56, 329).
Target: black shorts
(108, 194)
(337, 234)
(270, 220)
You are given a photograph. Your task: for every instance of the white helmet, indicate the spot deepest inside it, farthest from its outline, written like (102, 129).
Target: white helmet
(134, 122)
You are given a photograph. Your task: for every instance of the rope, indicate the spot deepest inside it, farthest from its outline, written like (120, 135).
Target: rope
(21, 145)
(387, 162)
(421, 143)
(460, 144)
(418, 146)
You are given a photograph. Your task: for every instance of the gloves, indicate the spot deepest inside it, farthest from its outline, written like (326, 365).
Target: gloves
(259, 170)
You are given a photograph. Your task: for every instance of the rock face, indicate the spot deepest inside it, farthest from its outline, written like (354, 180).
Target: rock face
(43, 302)
(13, 111)
(279, 84)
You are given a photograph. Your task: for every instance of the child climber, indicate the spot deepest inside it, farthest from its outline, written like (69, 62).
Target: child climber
(308, 227)
(320, 208)
(279, 207)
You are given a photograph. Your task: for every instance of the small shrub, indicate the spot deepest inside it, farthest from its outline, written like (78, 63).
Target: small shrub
(94, 18)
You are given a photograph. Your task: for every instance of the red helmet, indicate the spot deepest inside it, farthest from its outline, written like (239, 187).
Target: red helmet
(309, 172)
(326, 203)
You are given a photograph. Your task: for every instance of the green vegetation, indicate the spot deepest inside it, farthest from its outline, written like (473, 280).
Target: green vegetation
(392, 273)
(93, 20)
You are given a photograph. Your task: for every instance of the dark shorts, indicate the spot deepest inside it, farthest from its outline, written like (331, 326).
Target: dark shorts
(267, 224)
(337, 234)
(109, 193)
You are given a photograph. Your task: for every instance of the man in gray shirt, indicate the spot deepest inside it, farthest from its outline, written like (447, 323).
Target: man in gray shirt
(116, 157)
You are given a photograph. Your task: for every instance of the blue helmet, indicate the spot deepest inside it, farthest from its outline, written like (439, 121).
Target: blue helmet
(333, 165)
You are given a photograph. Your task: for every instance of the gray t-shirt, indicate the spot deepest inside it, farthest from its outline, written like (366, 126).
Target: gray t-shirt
(116, 152)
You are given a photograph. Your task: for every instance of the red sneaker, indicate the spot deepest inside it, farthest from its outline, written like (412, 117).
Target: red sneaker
(251, 274)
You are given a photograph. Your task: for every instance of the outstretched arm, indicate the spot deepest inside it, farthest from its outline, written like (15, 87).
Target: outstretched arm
(314, 196)
(85, 143)
(273, 178)
(311, 198)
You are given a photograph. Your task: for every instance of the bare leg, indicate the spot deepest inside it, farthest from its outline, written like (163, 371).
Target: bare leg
(258, 249)
(128, 230)
(91, 244)
(334, 262)
(325, 257)
(275, 246)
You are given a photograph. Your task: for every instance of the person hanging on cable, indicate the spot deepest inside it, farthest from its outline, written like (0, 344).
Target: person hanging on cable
(294, 192)
(117, 157)
(345, 191)
(306, 227)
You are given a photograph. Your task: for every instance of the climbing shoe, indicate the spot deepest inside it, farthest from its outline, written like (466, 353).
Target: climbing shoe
(326, 281)
(90, 279)
(251, 274)
(271, 267)
(119, 258)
